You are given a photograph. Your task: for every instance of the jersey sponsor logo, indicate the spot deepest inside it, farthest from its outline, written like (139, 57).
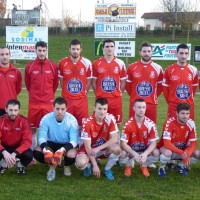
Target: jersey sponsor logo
(175, 78)
(67, 71)
(94, 134)
(84, 134)
(183, 91)
(137, 75)
(101, 70)
(189, 77)
(17, 129)
(36, 72)
(152, 74)
(47, 72)
(144, 89)
(138, 146)
(180, 145)
(74, 86)
(108, 84)
(124, 136)
(116, 70)
(99, 142)
(166, 134)
(5, 128)
(12, 76)
(82, 71)
(133, 135)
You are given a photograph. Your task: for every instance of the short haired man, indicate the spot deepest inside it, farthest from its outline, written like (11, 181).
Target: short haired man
(41, 79)
(100, 136)
(144, 81)
(15, 139)
(58, 136)
(138, 140)
(75, 74)
(180, 82)
(178, 141)
(10, 79)
(109, 79)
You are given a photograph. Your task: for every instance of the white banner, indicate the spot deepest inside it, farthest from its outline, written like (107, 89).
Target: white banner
(21, 51)
(26, 34)
(115, 30)
(115, 11)
(125, 48)
(166, 51)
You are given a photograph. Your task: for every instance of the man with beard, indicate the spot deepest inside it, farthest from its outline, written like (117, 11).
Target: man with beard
(15, 139)
(109, 79)
(41, 79)
(180, 82)
(10, 79)
(138, 140)
(144, 81)
(75, 74)
(179, 141)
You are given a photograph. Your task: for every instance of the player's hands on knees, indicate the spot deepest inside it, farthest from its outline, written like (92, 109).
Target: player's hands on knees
(186, 162)
(143, 158)
(94, 151)
(10, 159)
(48, 155)
(137, 157)
(96, 171)
(58, 156)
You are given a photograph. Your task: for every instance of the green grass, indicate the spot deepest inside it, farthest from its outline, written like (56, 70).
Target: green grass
(35, 186)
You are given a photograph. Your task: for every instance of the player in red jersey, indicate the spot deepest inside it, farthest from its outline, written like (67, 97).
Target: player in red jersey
(15, 139)
(10, 79)
(100, 136)
(75, 76)
(138, 140)
(144, 81)
(109, 78)
(180, 82)
(178, 141)
(41, 79)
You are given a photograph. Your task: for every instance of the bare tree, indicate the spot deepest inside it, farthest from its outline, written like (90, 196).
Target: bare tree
(69, 20)
(55, 22)
(171, 8)
(2, 8)
(189, 16)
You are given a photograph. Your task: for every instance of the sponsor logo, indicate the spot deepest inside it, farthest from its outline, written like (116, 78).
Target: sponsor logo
(136, 75)
(99, 142)
(138, 146)
(84, 134)
(101, 70)
(12, 76)
(75, 86)
(67, 71)
(36, 72)
(47, 72)
(180, 145)
(108, 84)
(94, 134)
(175, 78)
(183, 91)
(144, 89)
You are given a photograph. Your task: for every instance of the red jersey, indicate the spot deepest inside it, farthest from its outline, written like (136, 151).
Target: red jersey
(139, 138)
(98, 133)
(41, 79)
(144, 80)
(75, 77)
(15, 133)
(11, 84)
(180, 135)
(181, 81)
(108, 75)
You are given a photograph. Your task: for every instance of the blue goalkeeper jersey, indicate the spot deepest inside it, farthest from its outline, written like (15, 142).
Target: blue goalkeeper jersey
(63, 132)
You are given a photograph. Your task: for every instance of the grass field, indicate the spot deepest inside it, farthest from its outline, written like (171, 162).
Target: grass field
(35, 186)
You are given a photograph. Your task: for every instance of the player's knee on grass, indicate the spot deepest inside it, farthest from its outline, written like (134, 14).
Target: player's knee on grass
(155, 153)
(166, 152)
(81, 161)
(196, 154)
(123, 154)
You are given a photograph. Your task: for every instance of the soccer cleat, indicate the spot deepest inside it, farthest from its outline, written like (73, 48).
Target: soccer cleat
(182, 170)
(109, 174)
(188, 168)
(21, 171)
(128, 171)
(161, 172)
(2, 170)
(145, 171)
(87, 171)
(152, 166)
(51, 174)
(67, 171)
(170, 166)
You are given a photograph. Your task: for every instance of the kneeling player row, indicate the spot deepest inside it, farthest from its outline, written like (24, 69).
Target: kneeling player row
(59, 131)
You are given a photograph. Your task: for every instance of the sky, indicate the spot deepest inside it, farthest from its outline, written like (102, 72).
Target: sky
(83, 8)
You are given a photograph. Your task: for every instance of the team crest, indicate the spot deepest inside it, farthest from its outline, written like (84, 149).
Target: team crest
(144, 134)
(116, 70)
(189, 77)
(82, 71)
(186, 134)
(152, 74)
(104, 128)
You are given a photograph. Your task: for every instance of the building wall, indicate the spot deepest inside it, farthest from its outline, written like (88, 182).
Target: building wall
(151, 24)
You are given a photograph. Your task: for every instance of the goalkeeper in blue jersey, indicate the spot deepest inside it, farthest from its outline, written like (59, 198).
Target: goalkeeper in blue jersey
(58, 137)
